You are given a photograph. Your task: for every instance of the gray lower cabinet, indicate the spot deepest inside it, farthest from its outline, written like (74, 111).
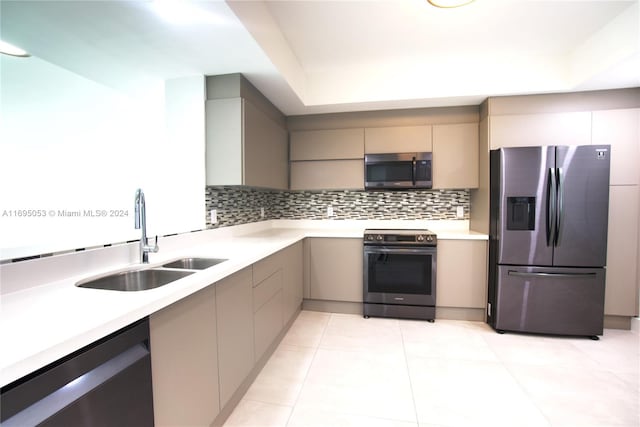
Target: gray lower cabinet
(184, 361)
(461, 280)
(207, 345)
(234, 312)
(268, 312)
(292, 272)
(335, 269)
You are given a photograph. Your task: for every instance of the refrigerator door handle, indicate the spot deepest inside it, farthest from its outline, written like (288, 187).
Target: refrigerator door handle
(551, 207)
(559, 205)
(529, 274)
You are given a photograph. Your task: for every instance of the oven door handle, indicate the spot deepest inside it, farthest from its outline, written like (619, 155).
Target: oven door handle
(425, 250)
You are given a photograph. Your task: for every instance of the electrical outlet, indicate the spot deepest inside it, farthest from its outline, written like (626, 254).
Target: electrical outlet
(213, 214)
(459, 212)
(261, 212)
(329, 211)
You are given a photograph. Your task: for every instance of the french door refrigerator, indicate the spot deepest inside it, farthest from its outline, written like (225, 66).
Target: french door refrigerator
(548, 239)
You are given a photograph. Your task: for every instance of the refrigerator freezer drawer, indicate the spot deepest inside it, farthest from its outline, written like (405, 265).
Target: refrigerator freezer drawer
(562, 301)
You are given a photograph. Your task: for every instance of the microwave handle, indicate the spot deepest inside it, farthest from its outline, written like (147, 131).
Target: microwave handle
(414, 171)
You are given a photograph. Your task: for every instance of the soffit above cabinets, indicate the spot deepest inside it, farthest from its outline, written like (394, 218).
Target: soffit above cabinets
(335, 56)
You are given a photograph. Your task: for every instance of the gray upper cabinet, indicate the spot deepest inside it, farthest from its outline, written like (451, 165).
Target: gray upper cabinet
(398, 139)
(455, 155)
(246, 136)
(327, 144)
(224, 136)
(524, 130)
(621, 130)
(265, 150)
(327, 159)
(327, 175)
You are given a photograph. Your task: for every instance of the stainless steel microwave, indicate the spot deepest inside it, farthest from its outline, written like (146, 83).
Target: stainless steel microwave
(397, 171)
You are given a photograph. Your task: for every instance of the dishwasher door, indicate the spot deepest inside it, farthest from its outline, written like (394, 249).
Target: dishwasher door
(107, 383)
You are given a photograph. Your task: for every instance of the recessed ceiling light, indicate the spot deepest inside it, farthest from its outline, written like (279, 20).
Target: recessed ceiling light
(449, 3)
(9, 49)
(182, 12)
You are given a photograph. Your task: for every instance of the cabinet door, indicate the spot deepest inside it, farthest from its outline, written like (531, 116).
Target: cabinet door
(224, 142)
(327, 175)
(234, 310)
(398, 139)
(266, 162)
(525, 130)
(292, 269)
(329, 144)
(185, 361)
(461, 279)
(621, 130)
(621, 297)
(336, 269)
(455, 155)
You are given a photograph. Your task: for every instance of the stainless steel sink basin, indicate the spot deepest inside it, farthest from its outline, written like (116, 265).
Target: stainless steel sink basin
(194, 263)
(134, 280)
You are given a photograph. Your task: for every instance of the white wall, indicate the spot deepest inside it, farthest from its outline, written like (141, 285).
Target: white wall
(69, 143)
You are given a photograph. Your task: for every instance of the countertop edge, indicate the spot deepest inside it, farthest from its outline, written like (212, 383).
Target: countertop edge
(268, 242)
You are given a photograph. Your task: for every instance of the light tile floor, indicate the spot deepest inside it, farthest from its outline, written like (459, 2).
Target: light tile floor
(344, 370)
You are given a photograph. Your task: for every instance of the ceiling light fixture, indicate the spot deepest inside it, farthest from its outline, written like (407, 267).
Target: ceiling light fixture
(449, 3)
(9, 49)
(183, 12)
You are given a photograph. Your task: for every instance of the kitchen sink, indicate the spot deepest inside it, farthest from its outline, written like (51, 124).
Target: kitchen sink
(194, 263)
(134, 280)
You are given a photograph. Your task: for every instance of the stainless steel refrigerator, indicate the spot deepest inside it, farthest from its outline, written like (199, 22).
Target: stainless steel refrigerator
(548, 239)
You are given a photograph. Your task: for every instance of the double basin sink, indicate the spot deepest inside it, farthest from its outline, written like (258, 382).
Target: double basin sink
(149, 278)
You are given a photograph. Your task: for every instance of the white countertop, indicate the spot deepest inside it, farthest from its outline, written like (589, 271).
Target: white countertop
(43, 323)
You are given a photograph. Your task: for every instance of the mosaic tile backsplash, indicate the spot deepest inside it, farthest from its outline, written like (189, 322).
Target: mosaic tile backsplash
(241, 205)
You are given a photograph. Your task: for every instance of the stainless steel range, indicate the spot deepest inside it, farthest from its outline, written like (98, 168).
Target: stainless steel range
(400, 274)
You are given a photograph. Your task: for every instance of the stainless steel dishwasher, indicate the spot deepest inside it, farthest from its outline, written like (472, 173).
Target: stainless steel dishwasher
(107, 383)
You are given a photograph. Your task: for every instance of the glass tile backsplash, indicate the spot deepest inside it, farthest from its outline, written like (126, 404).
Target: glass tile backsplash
(236, 205)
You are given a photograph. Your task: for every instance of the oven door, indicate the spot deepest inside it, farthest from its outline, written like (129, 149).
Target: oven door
(400, 275)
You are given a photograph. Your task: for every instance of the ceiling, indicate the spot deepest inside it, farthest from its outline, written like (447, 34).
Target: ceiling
(330, 56)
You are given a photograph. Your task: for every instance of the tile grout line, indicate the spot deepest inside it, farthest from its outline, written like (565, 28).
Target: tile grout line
(505, 365)
(313, 358)
(406, 362)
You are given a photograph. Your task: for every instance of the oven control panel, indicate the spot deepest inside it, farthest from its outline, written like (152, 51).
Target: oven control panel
(400, 237)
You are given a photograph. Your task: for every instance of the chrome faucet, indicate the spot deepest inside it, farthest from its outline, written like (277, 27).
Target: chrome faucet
(141, 223)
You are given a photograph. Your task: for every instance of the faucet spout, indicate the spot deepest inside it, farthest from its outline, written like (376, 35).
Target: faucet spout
(141, 224)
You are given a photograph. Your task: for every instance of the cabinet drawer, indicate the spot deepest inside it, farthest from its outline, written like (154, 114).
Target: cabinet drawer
(266, 290)
(266, 267)
(268, 322)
